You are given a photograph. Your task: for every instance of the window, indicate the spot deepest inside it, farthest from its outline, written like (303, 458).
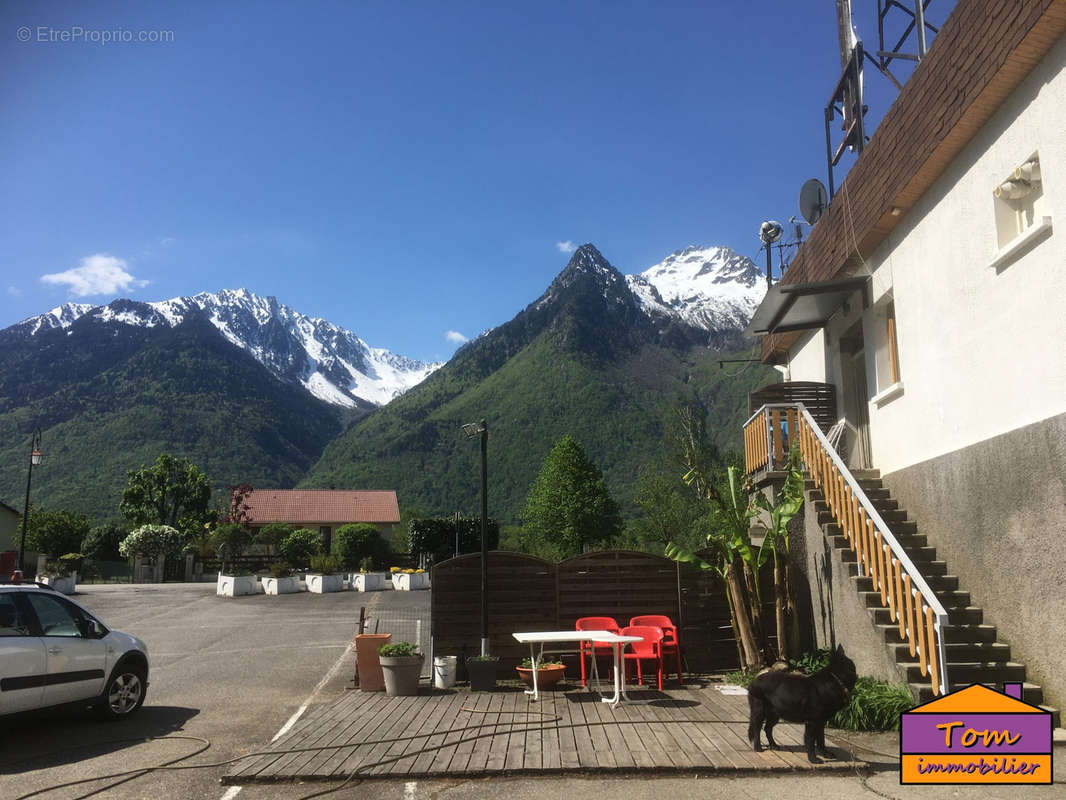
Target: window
(55, 616)
(886, 357)
(11, 621)
(1019, 210)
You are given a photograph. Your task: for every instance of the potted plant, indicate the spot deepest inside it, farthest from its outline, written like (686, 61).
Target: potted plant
(61, 573)
(325, 575)
(482, 672)
(281, 580)
(401, 665)
(549, 673)
(366, 580)
(410, 579)
(299, 547)
(230, 540)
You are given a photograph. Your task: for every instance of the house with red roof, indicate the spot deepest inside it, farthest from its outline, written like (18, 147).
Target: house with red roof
(323, 510)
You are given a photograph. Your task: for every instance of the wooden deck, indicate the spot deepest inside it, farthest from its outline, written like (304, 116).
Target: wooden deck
(459, 733)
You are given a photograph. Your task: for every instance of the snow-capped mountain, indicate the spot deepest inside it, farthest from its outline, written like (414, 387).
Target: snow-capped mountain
(712, 288)
(332, 363)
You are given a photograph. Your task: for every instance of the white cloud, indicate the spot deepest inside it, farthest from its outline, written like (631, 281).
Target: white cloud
(98, 274)
(167, 241)
(565, 247)
(14, 291)
(455, 336)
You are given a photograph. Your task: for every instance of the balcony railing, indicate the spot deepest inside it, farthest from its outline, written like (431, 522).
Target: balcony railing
(768, 436)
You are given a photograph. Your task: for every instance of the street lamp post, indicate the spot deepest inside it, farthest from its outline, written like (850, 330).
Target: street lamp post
(35, 460)
(482, 429)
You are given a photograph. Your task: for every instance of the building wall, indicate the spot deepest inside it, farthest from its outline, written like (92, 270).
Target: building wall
(995, 512)
(982, 350)
(9, 521)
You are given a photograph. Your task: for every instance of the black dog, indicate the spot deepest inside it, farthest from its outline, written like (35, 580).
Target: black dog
(813, 699)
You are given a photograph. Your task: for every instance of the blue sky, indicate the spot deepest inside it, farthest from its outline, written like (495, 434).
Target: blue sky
(404, 169)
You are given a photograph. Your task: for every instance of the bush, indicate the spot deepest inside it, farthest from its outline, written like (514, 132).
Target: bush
(273, 535)
(874, 706)
(298, 547)
(280, 569)
(326, 565)
(436, 537)
(55, 532)
(101, 543)
(353, 544)
(152, 541)
(230, 540)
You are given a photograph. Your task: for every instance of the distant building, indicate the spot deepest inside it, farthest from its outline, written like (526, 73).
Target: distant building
(323, 510)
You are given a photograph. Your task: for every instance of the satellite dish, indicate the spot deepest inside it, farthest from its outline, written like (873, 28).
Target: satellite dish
(813, 200)
(770, 231)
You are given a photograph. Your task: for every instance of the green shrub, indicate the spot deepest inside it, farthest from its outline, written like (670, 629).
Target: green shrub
(152, 541)
(298, 547)
(101, 543)
(874, 706)
(55, 532)
(273, 535)
(436, 537)
(527, 663)
(325, 565)
(280, 569)
(811, 661)
(230, 540)
(353, 544)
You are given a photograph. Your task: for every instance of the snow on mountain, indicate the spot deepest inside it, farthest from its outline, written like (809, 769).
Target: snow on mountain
(712, 288)
(332, 363)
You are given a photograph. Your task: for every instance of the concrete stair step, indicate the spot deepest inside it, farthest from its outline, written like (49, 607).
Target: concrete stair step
(993, 672)
(960, 652)
(950, 600)
(971, 615)
(970, 634)
(928, 568)
(1031, 693)
(938, 583)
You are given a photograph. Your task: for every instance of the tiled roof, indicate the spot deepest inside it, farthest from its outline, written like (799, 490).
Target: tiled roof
(321, 506)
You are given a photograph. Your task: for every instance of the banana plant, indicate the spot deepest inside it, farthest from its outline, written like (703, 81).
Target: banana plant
(776, 546)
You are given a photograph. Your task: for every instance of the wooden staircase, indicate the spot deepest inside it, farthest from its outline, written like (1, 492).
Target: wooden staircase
(973, 653)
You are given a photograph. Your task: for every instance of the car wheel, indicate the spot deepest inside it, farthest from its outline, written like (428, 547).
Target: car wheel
(124, 692)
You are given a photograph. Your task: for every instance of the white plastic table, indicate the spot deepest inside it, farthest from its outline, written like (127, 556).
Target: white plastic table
(616, 641)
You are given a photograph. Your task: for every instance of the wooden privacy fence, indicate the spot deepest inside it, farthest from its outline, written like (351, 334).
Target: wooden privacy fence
(531, 594)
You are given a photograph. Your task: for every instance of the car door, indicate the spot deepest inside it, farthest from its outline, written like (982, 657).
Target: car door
(22, 658)
(75, 663)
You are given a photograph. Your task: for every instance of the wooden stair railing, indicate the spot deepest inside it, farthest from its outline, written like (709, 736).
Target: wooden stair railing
(921, 617)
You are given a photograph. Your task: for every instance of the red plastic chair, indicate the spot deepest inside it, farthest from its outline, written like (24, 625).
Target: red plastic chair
(670, 645)
(645, 650)
(590, 650)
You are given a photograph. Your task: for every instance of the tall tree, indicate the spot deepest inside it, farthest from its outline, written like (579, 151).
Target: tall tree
(173, 491)
(56, 533)
(569, 509)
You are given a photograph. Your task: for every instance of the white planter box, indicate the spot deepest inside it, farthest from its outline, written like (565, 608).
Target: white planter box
(410, 581)
(236, 585)
(287, 585)
(320, 584)
(61, 585)
(367, 581)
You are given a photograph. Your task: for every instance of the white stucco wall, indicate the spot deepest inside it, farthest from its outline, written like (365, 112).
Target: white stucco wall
(982, 350)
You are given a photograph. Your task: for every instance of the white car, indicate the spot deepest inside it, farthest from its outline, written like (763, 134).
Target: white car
(53, 651)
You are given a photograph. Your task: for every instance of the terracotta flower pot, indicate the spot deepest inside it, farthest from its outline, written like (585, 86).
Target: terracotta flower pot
(547, 676)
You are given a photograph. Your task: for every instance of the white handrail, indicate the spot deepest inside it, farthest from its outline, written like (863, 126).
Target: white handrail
(872, 514)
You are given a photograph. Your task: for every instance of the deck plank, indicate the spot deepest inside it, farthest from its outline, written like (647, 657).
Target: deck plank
(686, 730)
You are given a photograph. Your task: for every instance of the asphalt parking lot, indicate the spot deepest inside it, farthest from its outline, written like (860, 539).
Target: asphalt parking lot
(234, 672)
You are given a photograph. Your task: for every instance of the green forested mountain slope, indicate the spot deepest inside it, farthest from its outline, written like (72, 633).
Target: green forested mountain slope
(110, 397)
(583, 359)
